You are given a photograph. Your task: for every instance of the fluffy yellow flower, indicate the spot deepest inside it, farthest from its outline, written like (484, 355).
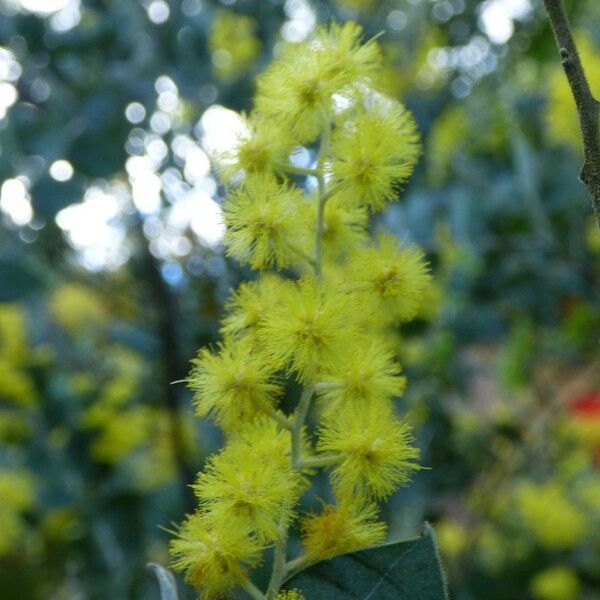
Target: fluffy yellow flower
(346, 527)
(233, 385)
(308, 328)
(375, 447)
(213, 559)
(233, 44)
(297, 89)
(366, 376)
(394, 277)
(250, 304)
(257, 496)
(261, 148)
(263, 228)
(374, 153)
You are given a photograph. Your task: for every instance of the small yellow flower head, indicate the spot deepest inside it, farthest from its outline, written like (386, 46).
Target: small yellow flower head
(556, 583)
(297, 90)
(214, 559)
(233, 44)
(342, 44)
(347, 527)
(233, 385)
(376, 446)
(361, 377)
(374, 153)
(395, 278)
(260, 148)
(255, 495)
(290, 595)
(262, 223)
(308, 328)
(249, 305)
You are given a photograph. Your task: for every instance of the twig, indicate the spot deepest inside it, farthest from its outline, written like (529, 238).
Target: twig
(588, 108)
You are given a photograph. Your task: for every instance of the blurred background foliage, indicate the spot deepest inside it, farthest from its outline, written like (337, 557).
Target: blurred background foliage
(111, 276)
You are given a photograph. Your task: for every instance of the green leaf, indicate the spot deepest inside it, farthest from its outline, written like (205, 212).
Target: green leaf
(408, 570)
(168, 587)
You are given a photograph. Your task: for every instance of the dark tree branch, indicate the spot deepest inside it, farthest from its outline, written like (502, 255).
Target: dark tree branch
(588, 107)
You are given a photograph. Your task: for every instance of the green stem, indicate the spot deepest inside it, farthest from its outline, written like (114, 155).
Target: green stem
(299, 417)
(298, 424)
(277, 416)
(289, 168)
(278, 572)
(309, 259)
(325, 460)
(324, 195)
(252, 590)
(296, 565)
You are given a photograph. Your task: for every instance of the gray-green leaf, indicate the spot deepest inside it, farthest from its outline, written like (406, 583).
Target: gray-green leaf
(168, 587)
(408, 570)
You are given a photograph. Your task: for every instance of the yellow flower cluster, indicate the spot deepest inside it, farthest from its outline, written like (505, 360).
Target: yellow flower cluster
(233, 44)
(319, 328)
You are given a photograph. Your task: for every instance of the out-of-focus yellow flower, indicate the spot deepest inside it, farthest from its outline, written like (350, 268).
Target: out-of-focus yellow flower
(347, 527)
(13, 334)
(452, 538)
(62, 525)
(76, 307)
(120, 433)
(556, 583)
(17, 495)
(549, 514)
(593, 236)
(233, 44)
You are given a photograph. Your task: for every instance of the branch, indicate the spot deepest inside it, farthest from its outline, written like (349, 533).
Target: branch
(588, 107)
